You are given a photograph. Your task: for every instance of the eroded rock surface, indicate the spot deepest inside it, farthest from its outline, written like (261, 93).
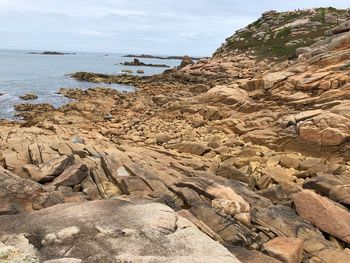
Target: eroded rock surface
(253, 150)
(111, 230)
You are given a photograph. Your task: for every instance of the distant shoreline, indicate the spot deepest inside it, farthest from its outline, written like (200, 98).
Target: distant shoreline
(51, 53)
(158, 57)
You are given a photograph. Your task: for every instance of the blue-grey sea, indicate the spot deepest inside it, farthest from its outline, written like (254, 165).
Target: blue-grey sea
(44, 75)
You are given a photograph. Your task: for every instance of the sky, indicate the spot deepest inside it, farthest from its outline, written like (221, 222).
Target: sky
(160, 27)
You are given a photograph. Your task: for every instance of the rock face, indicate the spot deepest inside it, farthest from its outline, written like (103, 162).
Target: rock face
(323, 214)
(251, 148)
(285, 31)
(107, 231)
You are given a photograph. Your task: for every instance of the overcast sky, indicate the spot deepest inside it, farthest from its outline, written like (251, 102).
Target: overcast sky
(165, 27)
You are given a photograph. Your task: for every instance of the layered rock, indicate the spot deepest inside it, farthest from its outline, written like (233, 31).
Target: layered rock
(252, 151)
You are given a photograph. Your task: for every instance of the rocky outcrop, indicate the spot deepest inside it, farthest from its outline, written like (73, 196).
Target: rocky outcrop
(252, 150)
(280, 34)
(29, 97)
(108, 231)
(138, 63)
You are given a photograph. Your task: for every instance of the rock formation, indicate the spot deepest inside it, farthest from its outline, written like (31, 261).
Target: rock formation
(251, 150)
(29, 96)
(138, 63)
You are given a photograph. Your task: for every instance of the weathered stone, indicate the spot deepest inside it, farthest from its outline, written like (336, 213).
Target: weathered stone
(72, 176)
(193, 148)
(229, 171)
(143, 232)
(49, 170)
(287, 250)
(340, 193)
(343, 27)
(290, 161)
(323, 214)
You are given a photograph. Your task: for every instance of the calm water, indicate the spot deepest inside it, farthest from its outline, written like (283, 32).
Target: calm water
(44, 75)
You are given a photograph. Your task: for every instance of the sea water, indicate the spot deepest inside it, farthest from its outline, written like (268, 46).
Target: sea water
(44, 75)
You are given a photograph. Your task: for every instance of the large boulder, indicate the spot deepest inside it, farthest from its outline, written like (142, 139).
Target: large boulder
(343, 27)
(340, 42)
(324, 214)
(270, 79)
(326, 129)
(114, 231)
(226, 95)
(288, 250)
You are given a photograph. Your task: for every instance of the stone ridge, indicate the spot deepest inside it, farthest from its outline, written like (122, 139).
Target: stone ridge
(278, 34)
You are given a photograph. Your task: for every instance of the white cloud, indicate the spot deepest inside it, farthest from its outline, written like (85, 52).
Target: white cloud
(164, 26)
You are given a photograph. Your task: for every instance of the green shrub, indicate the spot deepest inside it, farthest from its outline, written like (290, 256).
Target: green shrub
(284, 32)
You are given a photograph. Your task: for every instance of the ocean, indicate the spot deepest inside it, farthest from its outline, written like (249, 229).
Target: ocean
(44, 75)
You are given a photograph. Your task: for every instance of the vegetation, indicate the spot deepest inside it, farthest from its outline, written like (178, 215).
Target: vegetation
(283, 43)
(345, 67)
(285, 32)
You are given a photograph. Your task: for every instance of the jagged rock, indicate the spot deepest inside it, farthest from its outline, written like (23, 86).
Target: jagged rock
(229, 171)
(322, 183)
(72, 176)
(287, 250)
(323, 214)
(193, 148)
(279, 174)
(227, 141)
(49, 170)
(285, 222)
(340, 193)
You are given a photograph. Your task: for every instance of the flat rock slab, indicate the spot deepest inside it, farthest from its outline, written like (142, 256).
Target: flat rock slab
(323, 214)
(287, 250)
(111, 230)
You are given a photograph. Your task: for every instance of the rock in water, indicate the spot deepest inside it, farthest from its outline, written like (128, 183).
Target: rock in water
(29, 97)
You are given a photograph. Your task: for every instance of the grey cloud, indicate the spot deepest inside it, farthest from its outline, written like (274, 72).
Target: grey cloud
(196, 27)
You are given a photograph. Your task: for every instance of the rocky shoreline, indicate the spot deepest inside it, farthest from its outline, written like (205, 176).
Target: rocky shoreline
(238, 155)
(138, 63)
(158, 57)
